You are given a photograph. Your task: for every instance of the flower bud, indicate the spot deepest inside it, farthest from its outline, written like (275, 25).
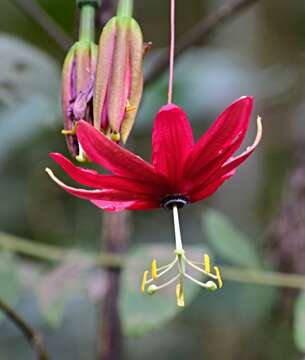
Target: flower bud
(77, 90)
(119, 77)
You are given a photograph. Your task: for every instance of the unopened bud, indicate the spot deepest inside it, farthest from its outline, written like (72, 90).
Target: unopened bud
(77, 89)
(119, 77)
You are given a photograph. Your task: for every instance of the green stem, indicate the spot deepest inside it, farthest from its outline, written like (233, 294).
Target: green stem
(261, 277)
(125, 8)
(54, 253)
(87, 23)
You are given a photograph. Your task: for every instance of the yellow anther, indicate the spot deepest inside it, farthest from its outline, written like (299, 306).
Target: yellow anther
(71, 131)
(154, 273)
(144, 280)
(219, 279)
(207, 263)
(129, 107)
(180, 295)
(115, 136)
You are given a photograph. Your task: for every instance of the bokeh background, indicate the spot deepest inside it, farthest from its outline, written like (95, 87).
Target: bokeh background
(260, 52)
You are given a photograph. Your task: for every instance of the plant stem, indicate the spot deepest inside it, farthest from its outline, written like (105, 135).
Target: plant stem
(261, 277)
(225, 12)
(32, 337)
(115, 260)
(125, 8)
(115, 238)
(87, 22)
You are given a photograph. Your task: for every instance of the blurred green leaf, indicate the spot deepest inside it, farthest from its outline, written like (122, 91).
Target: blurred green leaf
(141, 313)
(299, 322)
(60, 285)
(9, 284)
(254, 302)
(228, 241)
(29, 91)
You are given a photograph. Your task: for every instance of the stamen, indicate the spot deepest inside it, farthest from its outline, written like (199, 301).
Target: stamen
(219, 279)
(207, 263)
(153, 288)
(180, 295)
(166, 269)
(71, 131)
(210, 285)
(191, 263)
(144, 281)
(169, 267)
(154, 273)
(168, 282)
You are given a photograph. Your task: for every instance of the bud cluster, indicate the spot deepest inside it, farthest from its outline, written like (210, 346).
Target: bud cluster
(102, 84)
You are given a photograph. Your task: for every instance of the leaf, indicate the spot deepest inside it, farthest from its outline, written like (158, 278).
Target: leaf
(9, 284)
(299, 322)
(228, 241)
(141, 313)
(59, 285)
(29, 92)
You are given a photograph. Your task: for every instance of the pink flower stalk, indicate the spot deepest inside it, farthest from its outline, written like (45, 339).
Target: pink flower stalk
(181, 172)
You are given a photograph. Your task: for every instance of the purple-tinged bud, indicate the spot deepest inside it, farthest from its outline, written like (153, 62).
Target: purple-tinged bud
(77, 91)
(119, 77)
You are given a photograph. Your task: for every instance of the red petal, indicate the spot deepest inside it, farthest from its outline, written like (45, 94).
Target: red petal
(210, 189)
(112, 205)
(112, 156)
(206, 172)
(144, 205)
(233, 163)
(233, 122)
(172, 141)
(92, 178)
(108, 195)
(125, 205)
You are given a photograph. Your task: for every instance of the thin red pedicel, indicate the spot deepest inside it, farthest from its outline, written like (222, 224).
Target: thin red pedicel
(171, 52)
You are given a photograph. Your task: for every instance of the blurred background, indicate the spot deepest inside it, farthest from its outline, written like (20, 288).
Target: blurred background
(256, 220)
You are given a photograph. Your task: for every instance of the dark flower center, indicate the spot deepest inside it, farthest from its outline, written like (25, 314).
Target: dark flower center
(174, 200)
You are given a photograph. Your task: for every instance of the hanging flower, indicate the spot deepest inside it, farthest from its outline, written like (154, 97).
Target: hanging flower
(182, 172)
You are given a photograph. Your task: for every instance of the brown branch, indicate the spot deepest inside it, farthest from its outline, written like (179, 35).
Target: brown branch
(32, 337)
(37, 13)
(115, 238)
(202, 29)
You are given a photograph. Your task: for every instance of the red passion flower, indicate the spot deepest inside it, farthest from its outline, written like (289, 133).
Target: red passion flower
(181, 172)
